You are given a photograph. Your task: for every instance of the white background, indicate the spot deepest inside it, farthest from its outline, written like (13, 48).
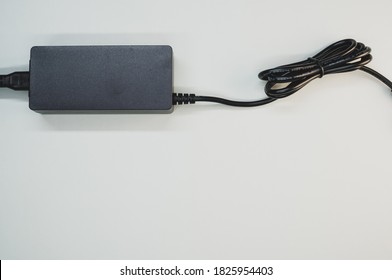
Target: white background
(308, 177)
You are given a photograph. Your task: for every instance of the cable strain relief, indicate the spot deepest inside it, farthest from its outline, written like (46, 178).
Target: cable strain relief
(16, 80)
(184, 98)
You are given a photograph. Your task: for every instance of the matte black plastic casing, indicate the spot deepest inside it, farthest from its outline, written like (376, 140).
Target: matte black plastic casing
(134, 79)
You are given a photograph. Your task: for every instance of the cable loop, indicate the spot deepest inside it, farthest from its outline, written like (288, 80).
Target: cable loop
(343, 56)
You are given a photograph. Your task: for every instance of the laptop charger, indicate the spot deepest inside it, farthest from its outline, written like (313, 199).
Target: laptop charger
(139, 79)
(101, 79)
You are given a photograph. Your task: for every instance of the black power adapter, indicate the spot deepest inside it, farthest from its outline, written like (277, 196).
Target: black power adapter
(139, 79)
(101, 79)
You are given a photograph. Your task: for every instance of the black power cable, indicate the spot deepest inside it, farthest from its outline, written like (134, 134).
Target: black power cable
(342, 56)
(16, 81)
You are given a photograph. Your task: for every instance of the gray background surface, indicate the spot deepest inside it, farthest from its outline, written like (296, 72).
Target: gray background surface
(308, 177)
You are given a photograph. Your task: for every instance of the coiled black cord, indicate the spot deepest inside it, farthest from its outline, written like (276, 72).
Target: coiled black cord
(343, 56)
